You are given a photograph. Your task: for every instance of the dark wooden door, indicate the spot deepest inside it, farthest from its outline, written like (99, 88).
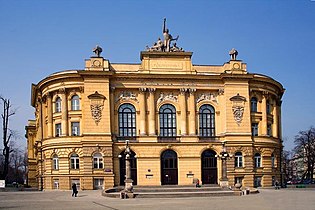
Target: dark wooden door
(209, 167)
(169, 171)
(133, 165)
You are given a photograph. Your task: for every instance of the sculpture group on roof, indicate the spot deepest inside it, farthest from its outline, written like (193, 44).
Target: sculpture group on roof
(165, 45)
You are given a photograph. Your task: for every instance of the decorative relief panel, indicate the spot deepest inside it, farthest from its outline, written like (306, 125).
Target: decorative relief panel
(96, 105)
(167, 97)
(238, 108)
(126, 96)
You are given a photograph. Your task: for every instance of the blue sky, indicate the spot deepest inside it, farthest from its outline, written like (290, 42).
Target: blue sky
(274, 37)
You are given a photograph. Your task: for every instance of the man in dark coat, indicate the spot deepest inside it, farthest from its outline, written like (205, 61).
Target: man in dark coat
(74, 190)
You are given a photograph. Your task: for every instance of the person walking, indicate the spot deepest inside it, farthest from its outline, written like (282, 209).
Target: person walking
(74, 190)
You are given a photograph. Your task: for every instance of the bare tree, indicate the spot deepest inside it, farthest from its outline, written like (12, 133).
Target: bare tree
(7, 134)
(305, 148)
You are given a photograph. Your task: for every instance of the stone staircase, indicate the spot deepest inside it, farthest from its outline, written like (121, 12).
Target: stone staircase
(171, 191)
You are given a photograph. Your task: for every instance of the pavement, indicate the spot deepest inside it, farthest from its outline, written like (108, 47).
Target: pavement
(267, 199)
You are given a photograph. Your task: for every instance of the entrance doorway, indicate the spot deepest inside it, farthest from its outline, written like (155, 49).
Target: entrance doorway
(169, 171)
(209, 167)
(133, 166)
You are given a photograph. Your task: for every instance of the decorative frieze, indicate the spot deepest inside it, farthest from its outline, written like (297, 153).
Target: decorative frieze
(127, 96)
(167, 97)
(207, 97)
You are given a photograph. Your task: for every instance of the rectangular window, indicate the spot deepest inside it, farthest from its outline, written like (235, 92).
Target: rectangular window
(98, 184)
(254, 129)
(55, 163)
(257, 181)
(75, 128)
(58, 129)
(269, 130)
(56, 184)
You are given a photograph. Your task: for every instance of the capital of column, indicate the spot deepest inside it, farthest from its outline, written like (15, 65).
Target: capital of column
(112, 88)
(221, 91)
(142, 89)
(151, 90)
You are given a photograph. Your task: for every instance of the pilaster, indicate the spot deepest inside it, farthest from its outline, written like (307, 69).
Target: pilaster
(64, 116)
(142, 111)
(151, 111)
(50, 116)
(183, 110)
(192, 112)
(263, 126)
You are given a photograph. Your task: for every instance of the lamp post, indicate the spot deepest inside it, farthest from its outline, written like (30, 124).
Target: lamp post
(224, 155)
(128, 181)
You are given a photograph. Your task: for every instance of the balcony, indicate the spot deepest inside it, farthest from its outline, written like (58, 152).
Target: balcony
(164, 139)
(124, 138)
(208, 138)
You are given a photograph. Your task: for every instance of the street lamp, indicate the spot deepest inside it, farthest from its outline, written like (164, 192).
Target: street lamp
(224, 155)
(128, 190)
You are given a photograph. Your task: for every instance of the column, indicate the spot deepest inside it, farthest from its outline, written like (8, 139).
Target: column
(151, 111)
(64, 115)
(112, 109)
(275, 126)
(183, 110)
(264, 115)
(192, 112)
(142, 111)
(50, 116)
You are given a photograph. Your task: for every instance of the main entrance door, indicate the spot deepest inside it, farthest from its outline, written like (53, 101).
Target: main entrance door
(133, 165)
(169, 172)
(209, 167)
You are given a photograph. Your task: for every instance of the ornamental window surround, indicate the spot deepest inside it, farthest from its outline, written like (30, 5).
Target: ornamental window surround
(207, 121)
(74, 161)
(269, 130)
(167, 116)
(238, 160)
(98, 161)
(273, 161)
(127, 120)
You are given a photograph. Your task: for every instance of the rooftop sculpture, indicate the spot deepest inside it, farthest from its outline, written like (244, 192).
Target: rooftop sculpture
(165, 45)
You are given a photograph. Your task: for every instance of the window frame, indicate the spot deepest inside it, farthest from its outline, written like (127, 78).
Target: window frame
(75, 132)
(127, 120)
(254, 104)
(255, 129)
(74, 161)
(75, 103)
(238, 160)
(58, 129)
(55, 160)
(98, 161)
(257, 160)
(206, 121)
(167, 119)
(58, 107)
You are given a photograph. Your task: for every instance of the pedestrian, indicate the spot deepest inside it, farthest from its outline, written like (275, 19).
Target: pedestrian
(198, 183)
(74, 190)
(277, 185)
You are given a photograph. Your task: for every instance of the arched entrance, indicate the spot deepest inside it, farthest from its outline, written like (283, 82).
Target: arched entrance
(169, 172)
(209, 172)
(122, 167)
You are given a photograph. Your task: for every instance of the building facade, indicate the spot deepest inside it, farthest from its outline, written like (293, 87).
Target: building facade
(218, 124)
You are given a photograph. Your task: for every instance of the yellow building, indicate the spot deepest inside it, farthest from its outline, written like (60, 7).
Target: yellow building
(183, 121)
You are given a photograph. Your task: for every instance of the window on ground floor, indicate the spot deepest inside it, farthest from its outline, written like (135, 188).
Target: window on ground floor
(257, 181)
(98, 184)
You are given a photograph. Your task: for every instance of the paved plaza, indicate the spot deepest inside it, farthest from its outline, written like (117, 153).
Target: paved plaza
(286, 199)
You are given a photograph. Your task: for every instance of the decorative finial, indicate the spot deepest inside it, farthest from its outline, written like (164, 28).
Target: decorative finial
(233, 53)
(97, 51)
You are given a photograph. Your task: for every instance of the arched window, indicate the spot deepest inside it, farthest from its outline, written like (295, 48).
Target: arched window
(167, 116)
(127, 120)
(97, 161)
(268, 107)
(206, 121)
(273, 160)
(75, 103)
(238, 159)
(74, 161)
(253, 104)
(257, 159)
(58, 104)
(55, 162)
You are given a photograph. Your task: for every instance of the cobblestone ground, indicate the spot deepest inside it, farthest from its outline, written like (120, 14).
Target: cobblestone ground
(284, 199)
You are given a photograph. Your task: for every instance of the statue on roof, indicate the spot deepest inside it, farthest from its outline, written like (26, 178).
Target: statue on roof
(165, 45)
(97, 51)
(233, 53)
